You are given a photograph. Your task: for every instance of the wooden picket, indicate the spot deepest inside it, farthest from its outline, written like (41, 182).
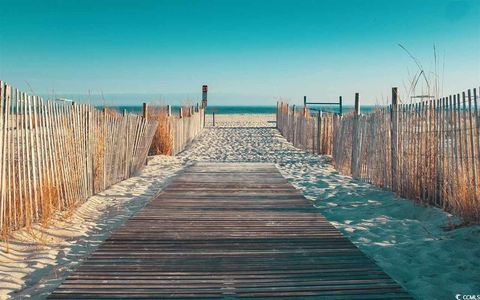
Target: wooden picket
(308, 131)
(427, 151)
(186, 127)
(54, 155)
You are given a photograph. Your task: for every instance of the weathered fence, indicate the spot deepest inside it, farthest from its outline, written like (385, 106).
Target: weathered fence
(186, 126)
(428, 151)
(305, 130)
(54, 155)
(175, 131)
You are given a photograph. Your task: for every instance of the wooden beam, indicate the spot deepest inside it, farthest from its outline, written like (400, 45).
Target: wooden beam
(145, 111)
(355, 136)
(394, 138)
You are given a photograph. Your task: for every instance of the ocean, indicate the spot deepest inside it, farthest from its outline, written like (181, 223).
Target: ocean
(231, 110)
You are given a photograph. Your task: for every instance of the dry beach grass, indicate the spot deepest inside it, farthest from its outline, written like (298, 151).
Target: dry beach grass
(162, 142)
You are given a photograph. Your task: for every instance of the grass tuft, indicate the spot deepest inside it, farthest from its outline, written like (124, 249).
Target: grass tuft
(162, 142)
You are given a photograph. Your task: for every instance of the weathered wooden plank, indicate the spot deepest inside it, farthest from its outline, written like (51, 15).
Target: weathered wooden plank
(220, 231)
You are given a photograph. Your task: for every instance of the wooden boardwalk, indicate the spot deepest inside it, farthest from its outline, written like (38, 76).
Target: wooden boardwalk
(224, 230)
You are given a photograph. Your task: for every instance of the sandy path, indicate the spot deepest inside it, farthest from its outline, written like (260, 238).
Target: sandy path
(405, 239)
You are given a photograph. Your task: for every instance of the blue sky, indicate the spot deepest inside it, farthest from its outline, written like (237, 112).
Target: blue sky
(248, 52)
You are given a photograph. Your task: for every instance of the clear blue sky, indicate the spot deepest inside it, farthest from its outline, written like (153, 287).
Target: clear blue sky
(248, 52)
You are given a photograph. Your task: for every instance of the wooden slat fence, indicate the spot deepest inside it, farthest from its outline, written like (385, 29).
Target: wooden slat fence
(54, 155)
(306, 130)
(186, 126)
(373, 159)
(427, 151)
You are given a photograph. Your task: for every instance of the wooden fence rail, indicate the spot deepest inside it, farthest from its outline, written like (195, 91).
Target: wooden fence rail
(54, 155)
(308, 131)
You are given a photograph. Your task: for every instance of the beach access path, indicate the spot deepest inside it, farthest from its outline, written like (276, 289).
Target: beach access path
(228, 230)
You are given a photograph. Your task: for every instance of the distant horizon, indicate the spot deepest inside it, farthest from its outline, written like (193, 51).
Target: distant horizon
(240, 105)
(243, 109)
(136, 99)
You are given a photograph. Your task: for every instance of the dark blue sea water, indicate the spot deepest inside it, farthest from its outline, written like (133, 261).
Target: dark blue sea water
(229, 110)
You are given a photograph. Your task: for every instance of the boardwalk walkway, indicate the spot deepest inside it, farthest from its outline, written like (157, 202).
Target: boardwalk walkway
(226, 230)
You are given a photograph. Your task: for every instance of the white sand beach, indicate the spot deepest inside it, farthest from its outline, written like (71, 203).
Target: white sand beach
(405, 239)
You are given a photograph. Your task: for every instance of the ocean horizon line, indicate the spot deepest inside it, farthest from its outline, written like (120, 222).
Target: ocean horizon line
(244, 109)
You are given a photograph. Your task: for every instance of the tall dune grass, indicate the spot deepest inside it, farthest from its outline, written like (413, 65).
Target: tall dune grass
(162, 142)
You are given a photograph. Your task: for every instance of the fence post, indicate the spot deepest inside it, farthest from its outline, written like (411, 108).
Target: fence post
(293, 125)
(145, 116)
(286, 126)
(319, 136)
(125, 154)
(313, 134)
(213, 114)
(303, 129)
(181, 112)
(354, 161)
(276, 119)
(340, 104)
(394, 137)
(169, 110)
(304, 101)
(104, 137)
(145, 110)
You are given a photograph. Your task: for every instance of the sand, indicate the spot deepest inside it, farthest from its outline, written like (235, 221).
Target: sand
(405, 239)
(241, 120)
(40, 258)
